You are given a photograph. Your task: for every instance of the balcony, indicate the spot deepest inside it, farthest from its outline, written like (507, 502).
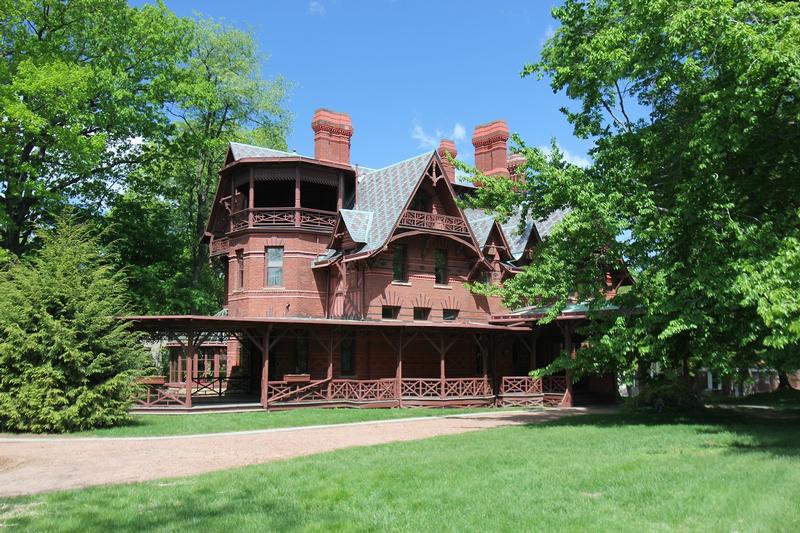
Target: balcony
(283, 217)
(433, 221)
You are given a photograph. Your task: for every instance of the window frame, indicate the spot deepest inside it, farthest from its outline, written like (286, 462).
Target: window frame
(268, 267)
(400, 261)
(450, 312)
(240, 269)
(393, 310)
(440, 271)
(425, 310)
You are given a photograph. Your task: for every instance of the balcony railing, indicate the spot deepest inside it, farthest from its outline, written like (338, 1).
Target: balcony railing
(421, 219)
(303, 217)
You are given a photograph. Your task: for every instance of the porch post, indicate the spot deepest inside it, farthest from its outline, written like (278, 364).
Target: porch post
(179, 367)
(399, 370)
(297, 196)
(329, 374)
(265, 368)
(190, 357)
(251, 201)
(216, 363)
(570, 347)
(441, 366)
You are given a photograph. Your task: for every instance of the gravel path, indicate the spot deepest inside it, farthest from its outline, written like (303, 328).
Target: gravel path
(33, 465)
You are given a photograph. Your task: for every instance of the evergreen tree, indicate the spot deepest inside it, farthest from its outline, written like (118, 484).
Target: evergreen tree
(68, 361)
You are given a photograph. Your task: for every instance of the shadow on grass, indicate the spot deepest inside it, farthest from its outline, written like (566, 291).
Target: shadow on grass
(750, 432)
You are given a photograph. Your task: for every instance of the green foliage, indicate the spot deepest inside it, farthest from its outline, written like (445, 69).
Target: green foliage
(80, 82)
(693, 108)
(68, 362)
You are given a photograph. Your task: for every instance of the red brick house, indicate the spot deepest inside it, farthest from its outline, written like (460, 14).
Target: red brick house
(347, 285)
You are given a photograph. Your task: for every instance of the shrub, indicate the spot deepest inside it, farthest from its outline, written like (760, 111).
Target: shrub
(661, 393)
(67, 362)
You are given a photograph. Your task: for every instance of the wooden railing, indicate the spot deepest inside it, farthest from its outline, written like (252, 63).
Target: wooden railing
(521, 385)
(466, 387)
(282, 391)
(219, 246)
(362, 390)
(260, 217)
(554, 384)
(220, 386)
(421, 219)
(421, 388)
(154, 392)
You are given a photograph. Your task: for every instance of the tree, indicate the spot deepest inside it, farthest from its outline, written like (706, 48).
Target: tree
(80, 83)
(693, 109)
(220, 97)
(68, 361)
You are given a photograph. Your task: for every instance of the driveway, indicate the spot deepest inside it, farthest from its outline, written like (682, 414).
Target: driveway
(42, 464)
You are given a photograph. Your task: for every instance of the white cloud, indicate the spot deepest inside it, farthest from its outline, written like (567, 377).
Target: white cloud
(459, 132)
(431, 141)
(315, 7)
(569, 157)
(424, 140)
(548, 34)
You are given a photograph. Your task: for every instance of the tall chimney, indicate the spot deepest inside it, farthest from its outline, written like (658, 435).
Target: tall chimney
(332, 132)
(446, 146)
(490, 140)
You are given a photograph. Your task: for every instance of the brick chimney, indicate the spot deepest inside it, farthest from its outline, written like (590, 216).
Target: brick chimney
(332, 132)
(446, 146)
(490, 140)
(514, 161)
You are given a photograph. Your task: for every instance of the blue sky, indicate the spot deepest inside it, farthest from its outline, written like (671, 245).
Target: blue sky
(408, 72)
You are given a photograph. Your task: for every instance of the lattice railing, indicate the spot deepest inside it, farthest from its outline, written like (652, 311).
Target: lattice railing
(159, 395)
(273, 217)
(317, 219)
(260, 217)
(523, 385)
(362, 390)
(282, 391)
(554, 384)
(466, 387)
(421, 219)
(219, 386)
(220, 246)
(420, 388)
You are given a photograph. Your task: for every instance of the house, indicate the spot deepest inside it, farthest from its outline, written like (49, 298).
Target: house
(346, 286)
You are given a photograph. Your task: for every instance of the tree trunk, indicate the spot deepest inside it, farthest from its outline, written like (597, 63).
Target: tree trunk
(783, 381)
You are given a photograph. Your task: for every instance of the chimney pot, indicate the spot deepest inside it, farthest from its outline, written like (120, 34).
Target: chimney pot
(446, 146)
(491, 148)
(332, 133)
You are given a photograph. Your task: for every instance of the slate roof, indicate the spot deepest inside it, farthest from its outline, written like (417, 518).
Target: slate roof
(386, 192)
(240, 151)
(518, 240)
(358, 223)
(481, 224)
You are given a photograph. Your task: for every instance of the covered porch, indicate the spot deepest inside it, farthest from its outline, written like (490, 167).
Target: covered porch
(291, 362)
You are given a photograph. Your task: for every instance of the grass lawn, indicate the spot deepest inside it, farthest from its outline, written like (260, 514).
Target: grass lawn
(781, 400)
(620, 472)
(158, 425)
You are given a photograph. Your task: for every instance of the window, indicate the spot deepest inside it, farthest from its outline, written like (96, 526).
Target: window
(274, 256)
(422, 313)
(399, 269)
(239, 269)
(348, 356)
(390, 311)
(449, 314)
(440, 269)
(487, 278)
(301, 353)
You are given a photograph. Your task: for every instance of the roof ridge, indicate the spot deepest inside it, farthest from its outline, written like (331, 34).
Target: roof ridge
(263, 147)
(429, 153)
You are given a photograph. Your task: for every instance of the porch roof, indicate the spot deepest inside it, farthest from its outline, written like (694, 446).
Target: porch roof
(228, 323)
